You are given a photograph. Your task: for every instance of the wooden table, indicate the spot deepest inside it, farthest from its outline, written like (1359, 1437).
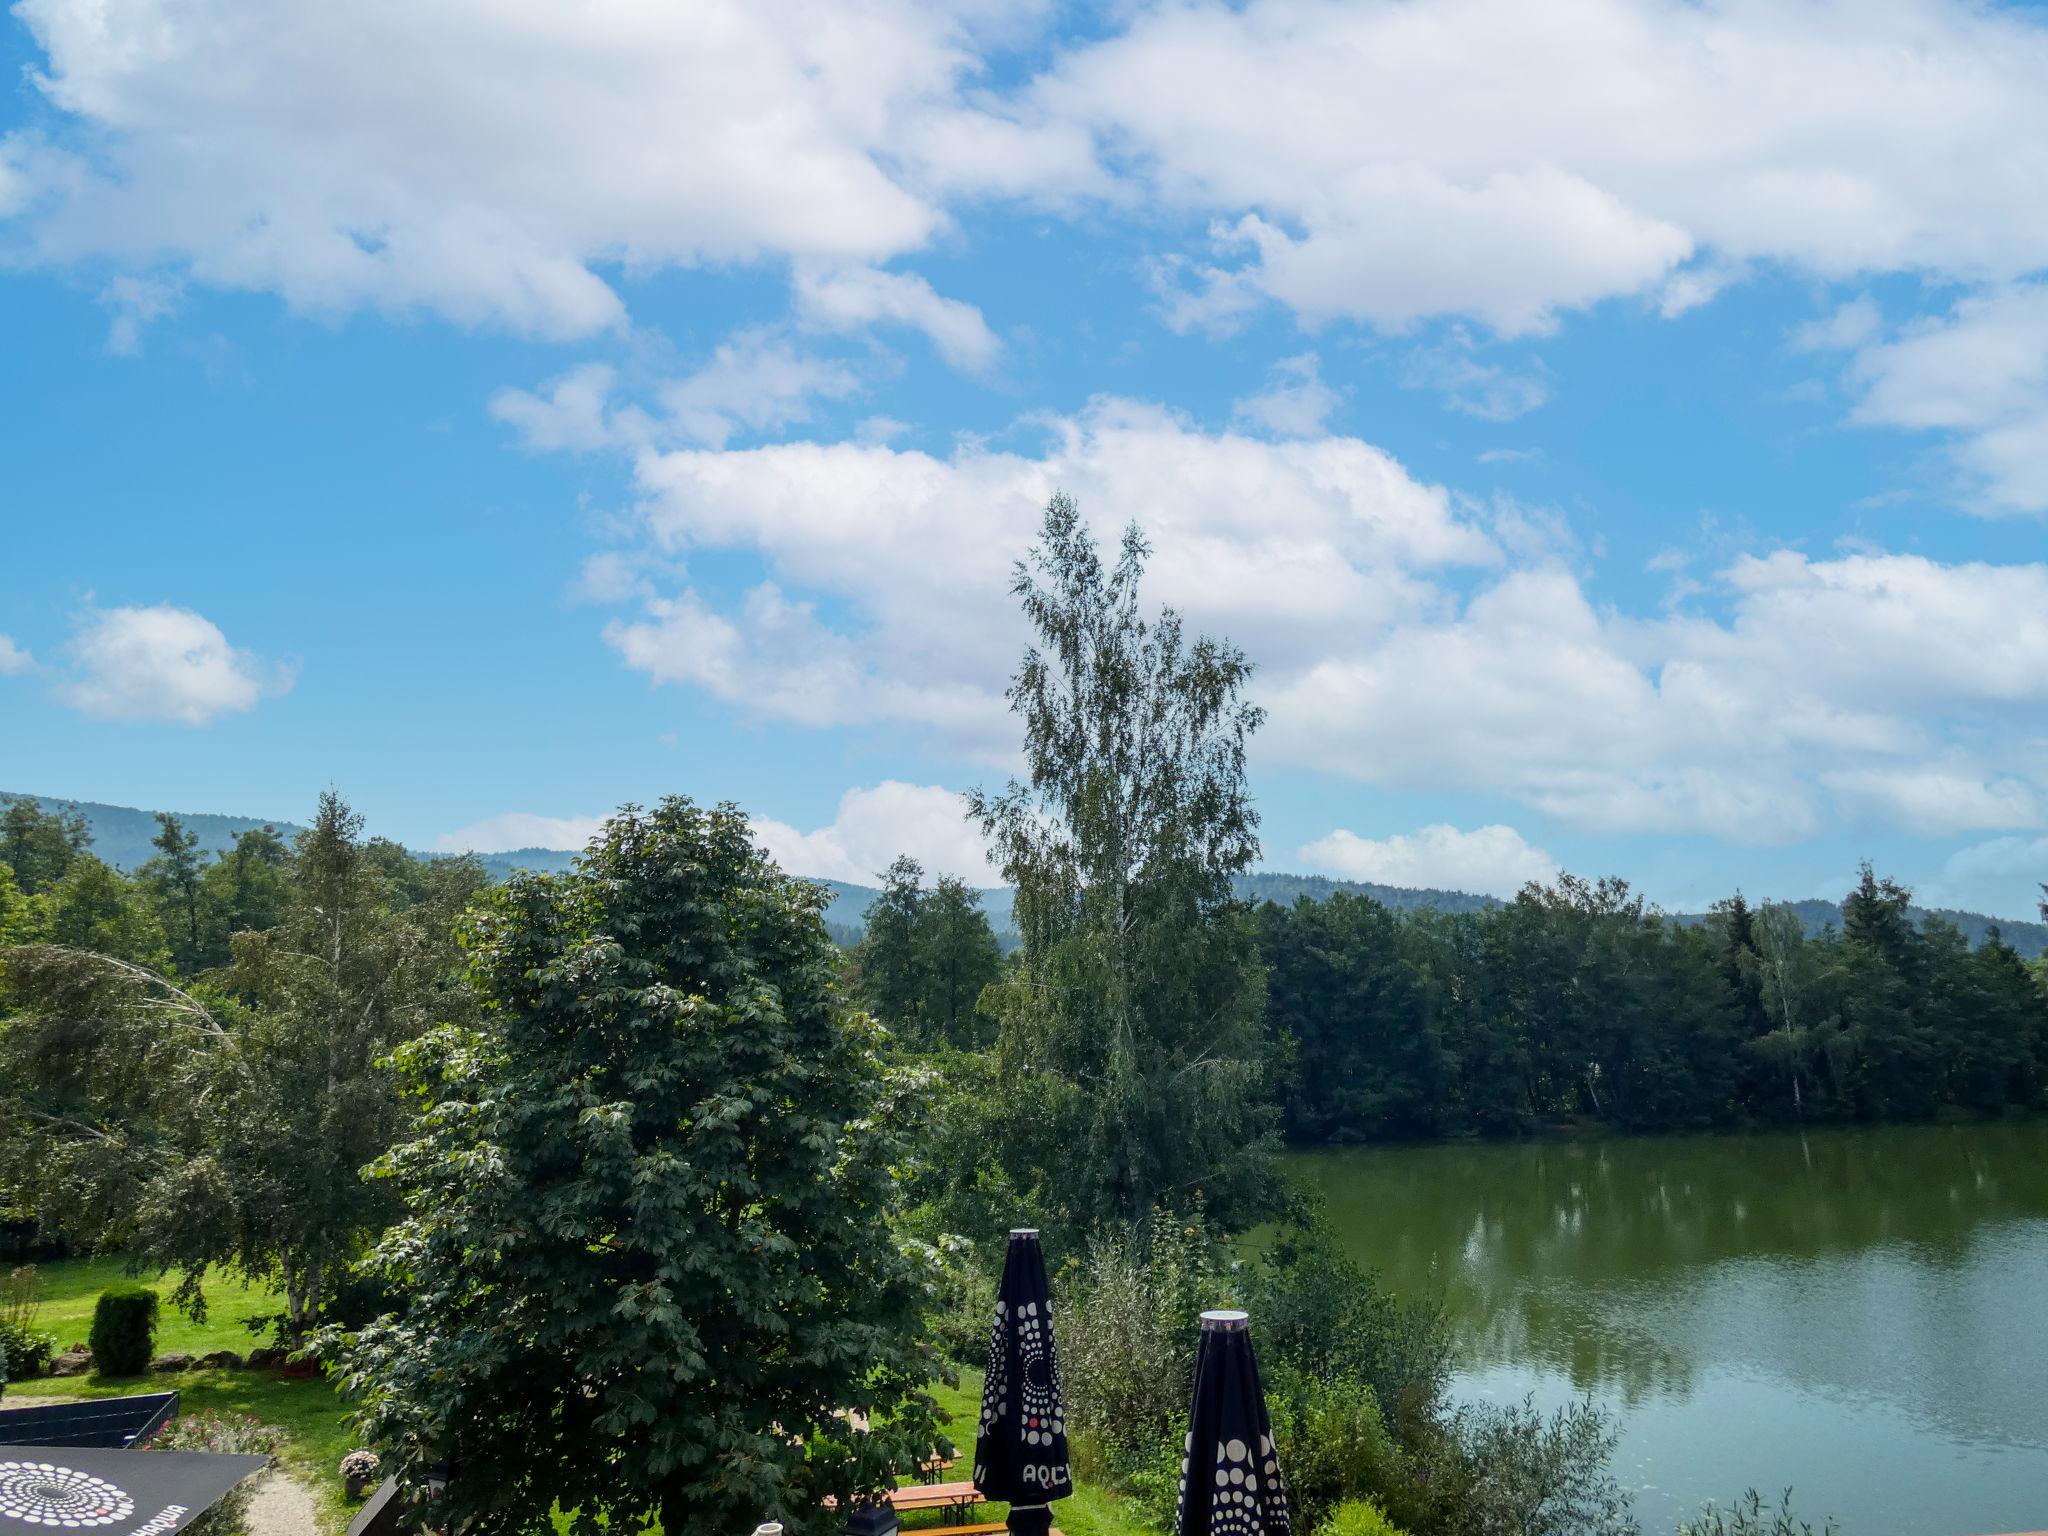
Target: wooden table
(956, 1499)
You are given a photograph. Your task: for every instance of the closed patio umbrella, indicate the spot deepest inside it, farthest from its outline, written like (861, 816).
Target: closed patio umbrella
(1020, 1452)
(1230, 1482)
(46, 1488)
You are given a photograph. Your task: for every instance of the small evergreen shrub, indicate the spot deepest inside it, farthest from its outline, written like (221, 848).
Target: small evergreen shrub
(123, 1330)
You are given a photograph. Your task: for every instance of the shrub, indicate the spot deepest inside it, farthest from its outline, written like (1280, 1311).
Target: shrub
(21, 1297)
(359, 1466)
(1335, 1449)
(963, 1298)
(1128, 1337)
(220, 1433)
(1519, 1473)
(28, 1351)
(1748, 1517)
(1358, 1517)
(1148, 1471)
(1317, 1312)
(124, 1330)
(27, 1347)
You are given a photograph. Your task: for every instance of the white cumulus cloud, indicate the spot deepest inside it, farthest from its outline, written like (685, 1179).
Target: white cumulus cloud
(873, 826)
(1386, 162)
(854, 298)
(486, 160)
(1406, 638)
(162, 663)
(1491, 861)
(13, 658)
(1295, 403)
(1979, 373)
(754, 382)
(2003, 876)
(1463, 157)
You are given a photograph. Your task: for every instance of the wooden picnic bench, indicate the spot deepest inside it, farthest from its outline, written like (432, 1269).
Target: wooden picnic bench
(958, 1500)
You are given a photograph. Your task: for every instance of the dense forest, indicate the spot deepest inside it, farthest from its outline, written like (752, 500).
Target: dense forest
(1572, 1003)
(1575, 1002)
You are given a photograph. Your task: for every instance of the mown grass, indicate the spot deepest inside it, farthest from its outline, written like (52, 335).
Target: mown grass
(70, 1287)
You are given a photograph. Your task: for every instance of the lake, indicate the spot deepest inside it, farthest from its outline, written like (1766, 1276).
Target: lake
(1861, 1314)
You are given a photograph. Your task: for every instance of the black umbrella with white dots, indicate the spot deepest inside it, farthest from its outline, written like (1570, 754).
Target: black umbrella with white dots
(1230, 1482)
(1020, 1453)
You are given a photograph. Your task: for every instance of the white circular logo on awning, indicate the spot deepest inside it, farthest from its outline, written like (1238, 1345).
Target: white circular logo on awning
(43, 1493)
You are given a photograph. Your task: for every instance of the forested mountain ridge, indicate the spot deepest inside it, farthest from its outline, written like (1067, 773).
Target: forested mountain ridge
(122, 836)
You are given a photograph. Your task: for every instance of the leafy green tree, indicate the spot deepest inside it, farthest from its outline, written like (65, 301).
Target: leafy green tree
(1792, 1051)
(175, 876)
(646, 1262)
(93, 908)
(1369, 1054)
(886, 960)
(924, 958)
(249, 886)
(1136, 1071)
(20, 918)
(1987, 1019)
(957, 958)
(1896, 1060)
(40, 846)
(227, 1126)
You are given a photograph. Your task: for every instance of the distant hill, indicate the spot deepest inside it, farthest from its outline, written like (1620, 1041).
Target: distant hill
(121, 835)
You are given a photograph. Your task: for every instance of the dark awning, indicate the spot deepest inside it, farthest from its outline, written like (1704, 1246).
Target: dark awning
(47, 1488)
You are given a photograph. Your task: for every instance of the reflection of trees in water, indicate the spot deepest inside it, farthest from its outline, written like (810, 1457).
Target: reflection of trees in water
(1589, 1258)
(1597, 1349)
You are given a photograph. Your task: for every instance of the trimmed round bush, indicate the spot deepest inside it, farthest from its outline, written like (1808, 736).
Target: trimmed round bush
(123, 1330)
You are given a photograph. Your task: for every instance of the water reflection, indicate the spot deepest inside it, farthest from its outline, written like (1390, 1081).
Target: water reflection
(1855, 1290)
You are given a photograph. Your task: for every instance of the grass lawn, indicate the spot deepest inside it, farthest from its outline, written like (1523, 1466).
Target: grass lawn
(314, 1417)
(71, 1286)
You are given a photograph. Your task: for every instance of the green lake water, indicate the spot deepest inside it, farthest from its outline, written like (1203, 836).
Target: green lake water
(1861, 1314)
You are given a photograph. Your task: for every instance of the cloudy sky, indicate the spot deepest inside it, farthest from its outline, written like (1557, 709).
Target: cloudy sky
(1618, 429)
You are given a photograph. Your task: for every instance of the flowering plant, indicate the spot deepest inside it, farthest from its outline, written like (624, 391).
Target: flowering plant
(359, 1466)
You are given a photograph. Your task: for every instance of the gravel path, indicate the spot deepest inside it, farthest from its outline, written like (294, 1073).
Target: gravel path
(279, 1505)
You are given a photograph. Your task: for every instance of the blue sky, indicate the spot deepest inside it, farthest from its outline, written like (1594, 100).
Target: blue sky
(1618, 430)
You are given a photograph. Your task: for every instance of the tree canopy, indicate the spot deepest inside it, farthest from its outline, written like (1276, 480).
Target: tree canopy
(645, 1264)
(1135, 1071)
